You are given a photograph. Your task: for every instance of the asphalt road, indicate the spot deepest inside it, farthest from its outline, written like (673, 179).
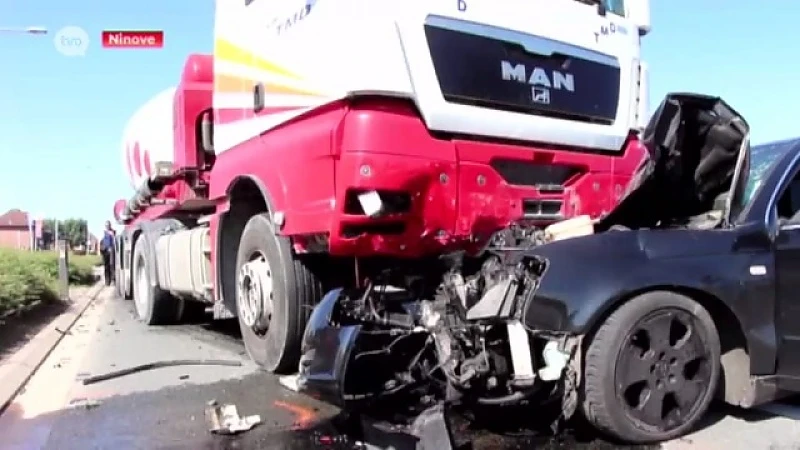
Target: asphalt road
(164, 408)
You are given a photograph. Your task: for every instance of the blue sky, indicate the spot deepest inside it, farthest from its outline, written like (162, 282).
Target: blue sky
(62, 118)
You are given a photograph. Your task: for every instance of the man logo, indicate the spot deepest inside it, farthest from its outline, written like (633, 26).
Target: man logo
(540, 95)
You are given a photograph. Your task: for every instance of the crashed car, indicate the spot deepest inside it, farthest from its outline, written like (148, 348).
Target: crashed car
(683, 292)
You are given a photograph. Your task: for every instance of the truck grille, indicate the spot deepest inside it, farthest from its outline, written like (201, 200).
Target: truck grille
(547, 177)
(500, 69)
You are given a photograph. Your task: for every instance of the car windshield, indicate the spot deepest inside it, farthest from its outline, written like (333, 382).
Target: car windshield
(762, 160)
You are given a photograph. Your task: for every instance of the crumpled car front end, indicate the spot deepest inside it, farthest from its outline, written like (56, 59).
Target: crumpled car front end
(463, 341)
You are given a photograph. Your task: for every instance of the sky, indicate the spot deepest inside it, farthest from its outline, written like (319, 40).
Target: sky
(61, 118)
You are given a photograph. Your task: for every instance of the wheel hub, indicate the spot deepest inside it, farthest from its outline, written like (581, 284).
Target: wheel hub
(663, 370)
(255, 294)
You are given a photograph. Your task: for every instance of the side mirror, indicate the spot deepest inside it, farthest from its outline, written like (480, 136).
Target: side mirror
(639, 14)
(207, 132)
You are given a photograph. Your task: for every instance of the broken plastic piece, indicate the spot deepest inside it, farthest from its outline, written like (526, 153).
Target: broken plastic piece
(290, 382)
(86, 403)
(520, 352)
(432, 429)
(554, 362)
(371, 203)
(574, 227)
(225, 419)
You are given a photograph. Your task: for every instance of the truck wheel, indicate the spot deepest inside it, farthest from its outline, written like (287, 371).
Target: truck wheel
(119, 287)
(652, 368)
(153, 305)
(274, 295)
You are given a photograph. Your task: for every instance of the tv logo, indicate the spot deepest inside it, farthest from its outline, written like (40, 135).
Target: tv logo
(71, 41)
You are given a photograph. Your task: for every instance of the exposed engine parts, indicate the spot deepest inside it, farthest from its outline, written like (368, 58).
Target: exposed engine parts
(461, 340)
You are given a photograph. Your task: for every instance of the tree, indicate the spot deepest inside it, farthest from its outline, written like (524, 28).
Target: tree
(75, 231)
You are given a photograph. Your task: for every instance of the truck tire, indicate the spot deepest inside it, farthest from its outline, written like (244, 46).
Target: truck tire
(153, 305)
(651, 369)
(274, 296)
(119, 286)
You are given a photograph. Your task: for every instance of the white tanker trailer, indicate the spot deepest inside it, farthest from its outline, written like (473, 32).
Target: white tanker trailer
(148, 138)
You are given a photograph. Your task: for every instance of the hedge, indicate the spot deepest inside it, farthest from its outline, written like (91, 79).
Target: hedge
(27, 278)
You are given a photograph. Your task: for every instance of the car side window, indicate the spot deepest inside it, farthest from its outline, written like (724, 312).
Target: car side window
(788, 205)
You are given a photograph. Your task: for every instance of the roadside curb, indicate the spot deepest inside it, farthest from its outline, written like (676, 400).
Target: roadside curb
(14, 376)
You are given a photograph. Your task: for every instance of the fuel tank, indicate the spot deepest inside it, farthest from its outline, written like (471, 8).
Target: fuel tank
(148, 137)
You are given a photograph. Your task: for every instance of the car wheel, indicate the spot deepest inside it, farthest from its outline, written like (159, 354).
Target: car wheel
(274, 296)
(652, 368)
(153, 305)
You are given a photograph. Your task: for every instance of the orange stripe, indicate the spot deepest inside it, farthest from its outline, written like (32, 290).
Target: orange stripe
(231, 84)
(237, 85)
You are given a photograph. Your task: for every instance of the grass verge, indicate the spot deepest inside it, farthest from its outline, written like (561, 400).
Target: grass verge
(28, 278)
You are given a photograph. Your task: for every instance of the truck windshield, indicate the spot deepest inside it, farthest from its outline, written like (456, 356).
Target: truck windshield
(613, 6)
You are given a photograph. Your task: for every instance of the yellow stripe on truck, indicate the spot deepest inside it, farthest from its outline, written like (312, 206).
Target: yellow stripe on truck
(226, 51)
(234, 84)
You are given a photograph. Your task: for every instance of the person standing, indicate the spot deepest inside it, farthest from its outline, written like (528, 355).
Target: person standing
(107, 250)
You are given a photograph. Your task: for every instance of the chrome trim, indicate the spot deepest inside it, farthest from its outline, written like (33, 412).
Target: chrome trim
(534, 44)
(795, 226)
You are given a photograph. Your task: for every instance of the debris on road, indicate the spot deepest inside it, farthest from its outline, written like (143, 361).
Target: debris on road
(225, 419)
(85, 403)
(290, 382)
(158, 365)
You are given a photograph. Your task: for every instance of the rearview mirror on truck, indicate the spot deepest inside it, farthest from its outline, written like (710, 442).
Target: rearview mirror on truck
(207, 132)
(639, 14)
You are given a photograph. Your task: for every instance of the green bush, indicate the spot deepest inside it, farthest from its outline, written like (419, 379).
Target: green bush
(28, 277)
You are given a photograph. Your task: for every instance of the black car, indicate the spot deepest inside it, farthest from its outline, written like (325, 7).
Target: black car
(686, 291)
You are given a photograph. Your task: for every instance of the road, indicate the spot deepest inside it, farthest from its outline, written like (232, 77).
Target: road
(164, 408)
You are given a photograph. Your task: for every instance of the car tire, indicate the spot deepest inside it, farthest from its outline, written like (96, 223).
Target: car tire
(670, 342)
(153, 305)
(272, 337)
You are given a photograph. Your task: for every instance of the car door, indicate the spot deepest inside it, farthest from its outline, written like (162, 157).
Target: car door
(787, 264)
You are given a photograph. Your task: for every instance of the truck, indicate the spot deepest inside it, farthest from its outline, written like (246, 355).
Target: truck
(324, 142)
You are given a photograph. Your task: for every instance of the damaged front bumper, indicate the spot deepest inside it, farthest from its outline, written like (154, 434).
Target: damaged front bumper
(327, 351)
(414, 350)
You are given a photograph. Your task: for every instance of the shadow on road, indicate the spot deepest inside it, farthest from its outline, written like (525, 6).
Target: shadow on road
(18, 329)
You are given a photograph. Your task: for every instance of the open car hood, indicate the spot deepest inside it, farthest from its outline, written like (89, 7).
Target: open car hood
(699, 154)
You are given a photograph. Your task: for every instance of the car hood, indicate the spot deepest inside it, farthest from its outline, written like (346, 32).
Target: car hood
(698, 160)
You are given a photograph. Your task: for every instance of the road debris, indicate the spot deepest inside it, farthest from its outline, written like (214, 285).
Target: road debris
(158, 365)
(290, 382)
(225, 419)
(86, 403)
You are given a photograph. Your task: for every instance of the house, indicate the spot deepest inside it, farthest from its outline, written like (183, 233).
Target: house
(15, 231)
